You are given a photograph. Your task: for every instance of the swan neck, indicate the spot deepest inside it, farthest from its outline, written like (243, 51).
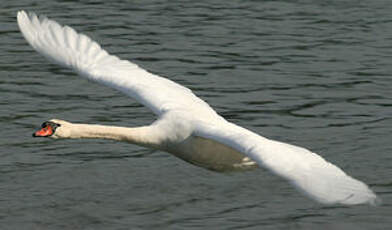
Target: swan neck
(139, 135)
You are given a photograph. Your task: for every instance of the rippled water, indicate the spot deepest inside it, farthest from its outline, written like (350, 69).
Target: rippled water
(304, 72)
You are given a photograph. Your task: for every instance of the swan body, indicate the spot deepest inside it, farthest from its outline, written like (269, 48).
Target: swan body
(186, 126)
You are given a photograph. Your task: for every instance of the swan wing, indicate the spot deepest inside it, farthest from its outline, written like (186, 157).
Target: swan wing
(64, 46)
(307, 171)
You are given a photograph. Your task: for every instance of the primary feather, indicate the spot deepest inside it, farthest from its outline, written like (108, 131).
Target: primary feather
(181, 114)
(307, 171)
(63, 46)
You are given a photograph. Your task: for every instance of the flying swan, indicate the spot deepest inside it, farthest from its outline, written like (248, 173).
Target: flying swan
(186, 126)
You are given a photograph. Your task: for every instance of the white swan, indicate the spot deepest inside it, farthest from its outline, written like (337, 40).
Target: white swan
(186, 126)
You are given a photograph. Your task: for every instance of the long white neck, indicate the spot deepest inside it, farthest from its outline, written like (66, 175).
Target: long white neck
(144, 136)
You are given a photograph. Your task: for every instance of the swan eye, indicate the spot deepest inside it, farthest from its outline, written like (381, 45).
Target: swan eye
(51, 124)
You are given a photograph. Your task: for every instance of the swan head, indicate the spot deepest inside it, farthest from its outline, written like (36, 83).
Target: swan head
(54, 129)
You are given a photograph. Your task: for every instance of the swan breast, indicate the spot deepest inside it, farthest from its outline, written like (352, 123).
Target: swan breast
(210, 154)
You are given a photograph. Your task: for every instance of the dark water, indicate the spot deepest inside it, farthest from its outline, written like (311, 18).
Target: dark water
(316, 74)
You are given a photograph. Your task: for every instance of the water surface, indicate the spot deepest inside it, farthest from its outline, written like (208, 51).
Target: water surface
(304, 72)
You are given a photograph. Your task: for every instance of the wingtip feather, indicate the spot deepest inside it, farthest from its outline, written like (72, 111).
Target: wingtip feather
(60, 44)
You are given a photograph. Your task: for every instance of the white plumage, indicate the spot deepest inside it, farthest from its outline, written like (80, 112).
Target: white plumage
(186, 126)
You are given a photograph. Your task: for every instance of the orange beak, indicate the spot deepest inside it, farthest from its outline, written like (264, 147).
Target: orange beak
(44, 132)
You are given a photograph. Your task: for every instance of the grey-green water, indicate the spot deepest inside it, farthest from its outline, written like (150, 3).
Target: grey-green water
(316, 74)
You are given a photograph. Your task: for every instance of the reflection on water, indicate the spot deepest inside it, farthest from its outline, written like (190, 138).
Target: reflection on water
(312, 74)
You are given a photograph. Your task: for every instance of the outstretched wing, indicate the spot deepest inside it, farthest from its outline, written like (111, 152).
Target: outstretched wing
(63, 46)
(307, 171)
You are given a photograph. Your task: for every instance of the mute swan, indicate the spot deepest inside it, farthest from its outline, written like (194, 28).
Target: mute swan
(186, 126)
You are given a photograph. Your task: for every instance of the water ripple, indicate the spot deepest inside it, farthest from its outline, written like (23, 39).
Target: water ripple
(316, 73)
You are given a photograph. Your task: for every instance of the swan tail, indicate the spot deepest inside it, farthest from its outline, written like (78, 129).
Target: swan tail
(63, 45)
